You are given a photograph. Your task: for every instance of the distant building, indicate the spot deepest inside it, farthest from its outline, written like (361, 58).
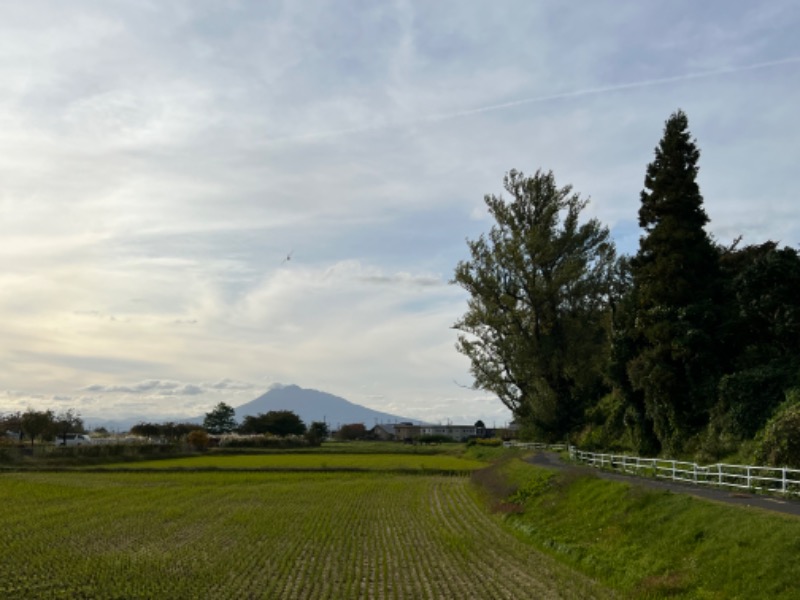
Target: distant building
(406, 432)
(384, 431)
(409, 432)
(458, 433)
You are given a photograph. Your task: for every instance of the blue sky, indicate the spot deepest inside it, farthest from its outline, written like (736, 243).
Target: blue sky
(159, 161)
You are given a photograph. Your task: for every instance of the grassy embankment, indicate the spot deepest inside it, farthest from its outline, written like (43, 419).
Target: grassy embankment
(647, 543)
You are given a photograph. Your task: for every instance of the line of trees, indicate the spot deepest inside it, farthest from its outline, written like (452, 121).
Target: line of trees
(686, 347)
(43, 425)
(222, 419)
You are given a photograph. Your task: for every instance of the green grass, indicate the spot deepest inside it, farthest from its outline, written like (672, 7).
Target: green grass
(362, 447)
(304, 461)
(262, 535)
(651, 544)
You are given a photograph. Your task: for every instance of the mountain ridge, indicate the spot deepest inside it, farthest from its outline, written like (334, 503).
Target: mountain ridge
(309, 404)
(314, 405)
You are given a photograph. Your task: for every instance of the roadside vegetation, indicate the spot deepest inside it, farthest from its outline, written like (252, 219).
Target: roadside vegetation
(646, 543)
(687, 348)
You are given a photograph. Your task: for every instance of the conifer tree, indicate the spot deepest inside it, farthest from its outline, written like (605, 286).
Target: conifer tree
(675, 275)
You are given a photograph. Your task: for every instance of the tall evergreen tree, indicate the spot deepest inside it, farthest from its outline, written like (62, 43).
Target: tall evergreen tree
(536, 324)
(676, 280)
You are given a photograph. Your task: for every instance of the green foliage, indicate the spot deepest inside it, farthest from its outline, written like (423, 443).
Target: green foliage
(352, 431)
(676, 278)
(748, 398)
(48, 457)
(605, 425)
(42, 424)
(537, 316)
(317, 433)
(490, 453)
(36, 423)
(434, 438)
(147, 430)
(764, 283)
(221, 419)
(761, 349)
(275, 422)
(164, 431)
(491, 442)
(779, 442)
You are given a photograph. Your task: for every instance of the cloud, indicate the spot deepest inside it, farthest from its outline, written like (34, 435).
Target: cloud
(229, 384)
(404, 279)
(160, 161)
(149, 386)
(567, 95)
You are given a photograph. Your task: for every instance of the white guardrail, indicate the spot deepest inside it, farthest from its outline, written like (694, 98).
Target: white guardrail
(780, 480)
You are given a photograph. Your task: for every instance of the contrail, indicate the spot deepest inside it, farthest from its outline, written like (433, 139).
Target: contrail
(537, 99)
(612, 88)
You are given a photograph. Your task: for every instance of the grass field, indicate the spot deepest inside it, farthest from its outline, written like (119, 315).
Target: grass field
(238, 535)
(370, 462)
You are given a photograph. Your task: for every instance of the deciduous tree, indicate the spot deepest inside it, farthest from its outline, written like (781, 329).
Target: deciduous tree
(222, 419)
(352, 431)
(36, 423)
(537, 321)
(317, 432)
(66, 422)
(276, 422)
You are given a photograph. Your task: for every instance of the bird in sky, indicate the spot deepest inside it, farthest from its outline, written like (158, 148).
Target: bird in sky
(288, 257)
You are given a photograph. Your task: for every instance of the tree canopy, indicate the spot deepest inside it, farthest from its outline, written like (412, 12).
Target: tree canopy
(539, 285)
(275, 422)
(221, 419)
(685, 346)
(676, 283)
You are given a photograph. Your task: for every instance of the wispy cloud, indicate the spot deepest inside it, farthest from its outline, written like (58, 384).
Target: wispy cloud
(387, 124)
(159, 161)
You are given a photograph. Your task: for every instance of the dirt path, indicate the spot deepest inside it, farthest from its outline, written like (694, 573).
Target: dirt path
(739, 498)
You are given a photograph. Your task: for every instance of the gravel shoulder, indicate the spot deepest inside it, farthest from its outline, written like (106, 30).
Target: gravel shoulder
(739, 498)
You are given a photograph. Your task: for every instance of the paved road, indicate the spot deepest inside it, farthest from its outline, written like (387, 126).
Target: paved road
(738, 498)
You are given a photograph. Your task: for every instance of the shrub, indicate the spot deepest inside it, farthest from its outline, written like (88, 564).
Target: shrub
(198, 439)
(778, 444)
(352, 431)
(492, 442)
(263, 441)
(434, 439)
(747, 398)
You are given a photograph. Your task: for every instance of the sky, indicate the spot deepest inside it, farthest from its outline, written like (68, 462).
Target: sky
(200, 199)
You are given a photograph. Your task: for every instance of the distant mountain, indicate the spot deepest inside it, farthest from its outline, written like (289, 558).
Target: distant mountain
(313, 405)
(309, 405)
